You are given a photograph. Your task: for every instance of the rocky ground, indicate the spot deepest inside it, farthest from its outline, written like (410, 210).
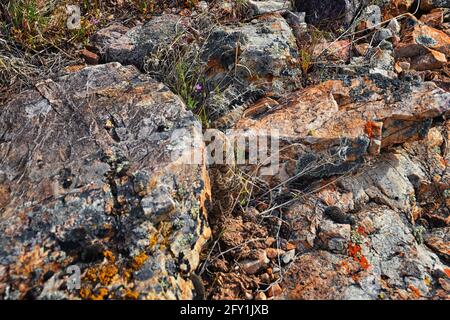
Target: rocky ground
(94, 146)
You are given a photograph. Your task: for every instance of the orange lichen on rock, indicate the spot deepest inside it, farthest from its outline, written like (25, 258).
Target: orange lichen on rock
(153, 241)
(139, 261)
(91, 274)
(447, 271)
(130, 294)
(361, 230)
(103, 274)
(415, 291)
(85, 293)
(109, 256)
(355, 251)
(102, 294)
(106, 274)
(373, 129)
(30, 261)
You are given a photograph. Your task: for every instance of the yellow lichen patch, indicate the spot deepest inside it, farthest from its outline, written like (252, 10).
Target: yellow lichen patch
(153, 241)
(427, 281)
(109, 256)
(85, 293)
(102, 294)
(165, 230)
(130, 294)
(127, 274)
(139, 261)
(30, 261)
(103, 274)
(91, 274)
(106, 274)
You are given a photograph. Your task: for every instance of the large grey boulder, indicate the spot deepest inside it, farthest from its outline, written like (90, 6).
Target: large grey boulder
(94, 176)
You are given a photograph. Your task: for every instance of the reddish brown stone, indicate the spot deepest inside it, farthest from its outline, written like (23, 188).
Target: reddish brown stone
(433, 19)
(274, 291)
(90, 57)
(430, 61)
(418, 38)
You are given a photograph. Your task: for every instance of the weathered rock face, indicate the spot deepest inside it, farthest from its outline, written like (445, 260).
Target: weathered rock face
(369, 143)
(341, 121)
(395, 246)
(328, 11)
(370, 17)
(433, 4)
(398, 246)
(262, 55)
(418, 39)
(266, 6)
(391, 264)
(118, 43)
(92, 177)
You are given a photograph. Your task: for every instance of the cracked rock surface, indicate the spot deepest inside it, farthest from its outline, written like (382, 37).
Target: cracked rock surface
(103, 170)
(91, 176)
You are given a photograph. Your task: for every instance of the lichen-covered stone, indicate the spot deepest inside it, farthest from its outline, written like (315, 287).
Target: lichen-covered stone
(433, 4)
(259, 55)
(339, 122)
(118, 43)
(401, 230)
(418, 38)
(89, 178)
(328, 11)
(267, 6)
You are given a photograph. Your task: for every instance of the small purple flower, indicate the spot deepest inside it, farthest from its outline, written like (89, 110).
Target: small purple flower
(94, 21)
(198, 87)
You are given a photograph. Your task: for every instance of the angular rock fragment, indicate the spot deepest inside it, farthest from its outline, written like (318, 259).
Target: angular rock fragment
(393, 262)
(434, 4)
(262, 53)
(254, 56)
(429, 61)
(403, 259)
(439, 241)
(118, 43)
(328, 11)
(90, 57)
(370, 18)
(337, 50)
(267, 6)
(434, 19)
(338, 122)
(418, 38)
(396, 7)
(91, 177)
(334, 237)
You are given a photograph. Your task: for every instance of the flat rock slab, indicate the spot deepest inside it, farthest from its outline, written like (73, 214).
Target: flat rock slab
(267, 6)
(349, 118)
(92, 177)
(419, 39)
